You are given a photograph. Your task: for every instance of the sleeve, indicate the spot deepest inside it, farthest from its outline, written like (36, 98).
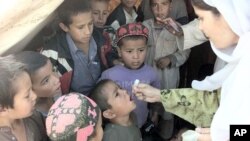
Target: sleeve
(192, 36)
(197, 107)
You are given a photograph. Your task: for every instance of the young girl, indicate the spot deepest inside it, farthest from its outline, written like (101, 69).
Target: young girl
(17, 103)
(45, 83)
(74, 117)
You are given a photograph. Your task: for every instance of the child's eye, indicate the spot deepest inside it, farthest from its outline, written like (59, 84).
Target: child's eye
(141, 50)
(154, 5)
(129, 51)
(91, 23)
(46, 81)
(80, 27)
(106, 13)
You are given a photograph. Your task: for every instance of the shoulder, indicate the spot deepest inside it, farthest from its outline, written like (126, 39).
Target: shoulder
(116, 13)
(115, 69)
(110, 133)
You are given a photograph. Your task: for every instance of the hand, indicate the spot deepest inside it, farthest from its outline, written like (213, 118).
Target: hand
(171, 25)
(204, 134)
(146, 93)
(163, 62)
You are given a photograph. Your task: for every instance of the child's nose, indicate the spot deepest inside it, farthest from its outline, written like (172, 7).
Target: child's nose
(136, 54)
(100, 17)
(33, 95)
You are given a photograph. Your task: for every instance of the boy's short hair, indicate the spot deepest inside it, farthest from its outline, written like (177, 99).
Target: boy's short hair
(151, 2)
(100, 98)
(132, 30)
(33, 60)
(10, 71)
(71, 8)
(72, 117)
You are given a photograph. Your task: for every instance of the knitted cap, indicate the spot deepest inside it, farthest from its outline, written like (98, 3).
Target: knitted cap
(130, 29)
(72, 114)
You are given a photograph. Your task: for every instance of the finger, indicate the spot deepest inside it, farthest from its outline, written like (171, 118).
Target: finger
(139, 96)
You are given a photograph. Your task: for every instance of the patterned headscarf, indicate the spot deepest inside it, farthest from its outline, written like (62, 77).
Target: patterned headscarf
(72, 114)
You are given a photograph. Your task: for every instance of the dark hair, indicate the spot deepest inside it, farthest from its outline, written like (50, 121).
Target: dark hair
(151, 2)
(202, 5)
(11, 69)
(33, 60)
(132, 37)
(71, 8)
(100, 98)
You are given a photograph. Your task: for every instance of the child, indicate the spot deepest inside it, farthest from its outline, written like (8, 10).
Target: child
(74, 52)
(116, 105)
(74, 117)
(45, 83)
(131, 40)
(109, 56)
(124, 13)
(17, 103)
(165, 56)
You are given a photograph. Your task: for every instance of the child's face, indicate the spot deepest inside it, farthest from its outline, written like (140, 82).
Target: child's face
(100, 13)
(25, 98)
(133, 52)
(81, 27)
(45, 82)
(128, 3)
(119, 99)
(98, 130)
(160, 8)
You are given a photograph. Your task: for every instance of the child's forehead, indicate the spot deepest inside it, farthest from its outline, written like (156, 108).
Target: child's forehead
(81, 17)
(160, 1)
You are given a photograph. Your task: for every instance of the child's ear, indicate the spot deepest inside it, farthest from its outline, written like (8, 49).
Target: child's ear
(109, 114)
(119, 51)
(63, 27)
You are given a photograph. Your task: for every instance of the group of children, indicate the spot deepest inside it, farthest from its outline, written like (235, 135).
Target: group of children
(83, 58)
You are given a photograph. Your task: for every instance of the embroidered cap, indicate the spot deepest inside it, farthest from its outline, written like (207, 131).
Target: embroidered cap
(130, 29)
(72, 114)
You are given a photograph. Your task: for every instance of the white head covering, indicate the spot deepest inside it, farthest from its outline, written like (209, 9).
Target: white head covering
(234, 78)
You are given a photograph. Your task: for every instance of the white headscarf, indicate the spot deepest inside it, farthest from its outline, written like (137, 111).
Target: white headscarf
(234, 78)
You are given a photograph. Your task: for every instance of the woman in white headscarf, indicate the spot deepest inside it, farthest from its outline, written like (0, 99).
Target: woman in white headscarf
(229, 34)
(227, 25)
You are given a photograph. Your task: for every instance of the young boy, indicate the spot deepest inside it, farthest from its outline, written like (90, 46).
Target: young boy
(117, 106)
(18, 120)
(109, 56)
(74, 117)
(74, 52)
(131, 40)
(45, 83)
(124, 13)
(165, 56)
